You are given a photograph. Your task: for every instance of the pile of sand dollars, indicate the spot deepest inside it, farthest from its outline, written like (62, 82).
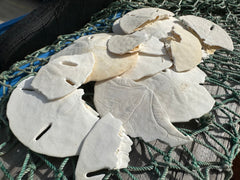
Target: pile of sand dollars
(147, 78)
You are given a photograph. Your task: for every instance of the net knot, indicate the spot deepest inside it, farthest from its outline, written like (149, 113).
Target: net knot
(32, 166)
(166, 158)
(154, 163)
(235, 140)
(236, 94)
(60, 174)
(225, 77)
(195, 165)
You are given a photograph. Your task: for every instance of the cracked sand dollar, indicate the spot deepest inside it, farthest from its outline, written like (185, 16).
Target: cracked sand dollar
(180, 94)
(55, 128)
(63, 75)
(185, 49)
(210, 33)
(138, 108)
(148, 65)
(137, 19)
(113, 147)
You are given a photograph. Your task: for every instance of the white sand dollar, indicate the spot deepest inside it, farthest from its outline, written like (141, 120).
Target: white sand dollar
(63, 75)
(106, 146)
(210, 33)
(137, 19)
(148, 65)
(180, 94)
(55, 128)
(185, 50)
(138, 108)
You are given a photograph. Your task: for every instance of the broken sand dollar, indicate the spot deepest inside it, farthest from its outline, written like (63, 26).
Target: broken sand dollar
(138, 108)
(63, 75)
(107, 64)
(161, 29)
(180, 95)
(209, 32)
(148, 65)
(137, 19)
(185, 49)
(55, 128)
(113, 147)
(122, 44)
(116, 27)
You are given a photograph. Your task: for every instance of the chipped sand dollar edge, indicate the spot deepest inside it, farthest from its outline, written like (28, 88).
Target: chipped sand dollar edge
(44, 125)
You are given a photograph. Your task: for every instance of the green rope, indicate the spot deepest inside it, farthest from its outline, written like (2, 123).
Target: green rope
(222, 68)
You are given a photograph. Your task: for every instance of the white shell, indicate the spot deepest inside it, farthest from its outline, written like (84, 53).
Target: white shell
(55, 128)
(187, 53)
(137, 19)
(161, 29)
(152, 47)
(107, 64)
(116, 27)
(180, 94)
(63, 75)
(122, 44)
(209, 32)
(148, 65)
(106, 146)
(138, 108)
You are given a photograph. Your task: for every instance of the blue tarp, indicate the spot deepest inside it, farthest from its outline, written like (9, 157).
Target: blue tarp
(6, 25)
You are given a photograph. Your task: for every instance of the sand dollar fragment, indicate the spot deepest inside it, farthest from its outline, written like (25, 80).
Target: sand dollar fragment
(185, 49)
(63, 75)
(55, 128)
(122, 44)
(138, 108)
(180, 94)
(137, 19)
(210, 33)
(105, 147)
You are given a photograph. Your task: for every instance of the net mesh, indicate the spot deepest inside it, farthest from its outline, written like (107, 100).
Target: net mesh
(215, 134)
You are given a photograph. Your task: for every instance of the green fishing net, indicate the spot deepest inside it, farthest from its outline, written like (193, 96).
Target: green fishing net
(215, 135)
